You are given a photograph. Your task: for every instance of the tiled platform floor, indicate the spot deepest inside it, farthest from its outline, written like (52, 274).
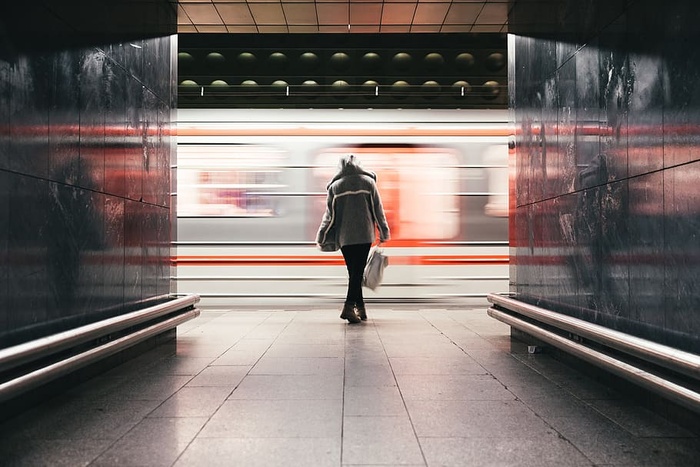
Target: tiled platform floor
(418, 386)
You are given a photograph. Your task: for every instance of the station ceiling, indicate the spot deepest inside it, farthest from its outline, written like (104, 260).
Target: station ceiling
(350, 53)
(343, 16)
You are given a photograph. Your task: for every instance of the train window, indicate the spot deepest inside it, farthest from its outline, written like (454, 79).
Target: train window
(228, 180)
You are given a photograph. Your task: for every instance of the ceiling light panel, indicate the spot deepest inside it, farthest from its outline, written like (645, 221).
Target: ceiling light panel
(267, 13)
(332, 14)
(463, 13)
(202, 13)
(235, 13)
(398, 13)
(430, 13)
(302, 14)
(365, 13)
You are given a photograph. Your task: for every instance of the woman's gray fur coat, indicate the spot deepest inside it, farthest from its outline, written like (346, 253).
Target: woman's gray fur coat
(353, 209)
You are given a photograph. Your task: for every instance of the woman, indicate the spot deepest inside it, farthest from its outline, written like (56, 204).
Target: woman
(353, 212)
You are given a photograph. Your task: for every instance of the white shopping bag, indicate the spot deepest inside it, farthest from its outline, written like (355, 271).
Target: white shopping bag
(374, 270)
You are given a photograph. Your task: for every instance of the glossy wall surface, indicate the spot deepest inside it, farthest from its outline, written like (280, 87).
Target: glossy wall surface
(85, 152)
(606, 164)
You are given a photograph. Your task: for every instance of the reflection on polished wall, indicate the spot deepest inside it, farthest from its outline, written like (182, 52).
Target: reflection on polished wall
(85, 154)
(607, 164)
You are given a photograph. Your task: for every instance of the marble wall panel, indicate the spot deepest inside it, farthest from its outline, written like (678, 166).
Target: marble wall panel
(150, 146)
(29, 93)
(554, 278)
(4, 261)
(75, 251)
(588, 134)
(549, 128)
(4, 115)
(156, 66)
(681, 248)
(163, 157)
(646, 248)
(616, 232)
(155, 233)
(63, 124)
(131, 54)
(572, 275)
(29, 280)
(92, 102)
(649, 82)
(681, 108)
(115, 148)
(134, 218)
(562, 177)
(135, 149)
(114, 252)
(163, 255)
(80, 239)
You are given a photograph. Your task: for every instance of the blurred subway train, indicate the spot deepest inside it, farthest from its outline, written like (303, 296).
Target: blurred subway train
(251, 191)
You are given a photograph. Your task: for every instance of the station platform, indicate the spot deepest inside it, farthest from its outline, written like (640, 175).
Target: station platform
(414, 385)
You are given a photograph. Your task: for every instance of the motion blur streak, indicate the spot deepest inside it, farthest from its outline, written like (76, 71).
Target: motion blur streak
(251, 190)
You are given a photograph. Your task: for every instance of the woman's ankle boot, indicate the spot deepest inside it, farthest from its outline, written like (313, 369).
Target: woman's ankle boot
(362, 312)
(349, 313)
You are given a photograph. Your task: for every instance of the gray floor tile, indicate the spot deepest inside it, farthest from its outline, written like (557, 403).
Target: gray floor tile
(201, 401)
(266, 331)
(198, 349)
(375, 358)
(151, 387)
(262, 452)
(275, 419)
(244, 352)
(436, 365)
(369, 375)
(605, 442)
(278, 350)
(672, 452)
(315, 386)
(181, 365)
(258, 345)
(97, 388)
(549, 451)
(221, 375)
(78, 420)
(313, 336)
(475, 419)
(426, 349)
(143, 363)
(298, 366)
(236, 357)
(373, 401)
(153, 442)
(532, 386)
(452, 387)
(561, 404)
(477, 343)
(51, 453)
(639, 421)
(380, 440)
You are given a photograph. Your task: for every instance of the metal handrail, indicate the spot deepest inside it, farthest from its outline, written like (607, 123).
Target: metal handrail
(16, 386)
(17, 355)
(682, 395)
(662, 355)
